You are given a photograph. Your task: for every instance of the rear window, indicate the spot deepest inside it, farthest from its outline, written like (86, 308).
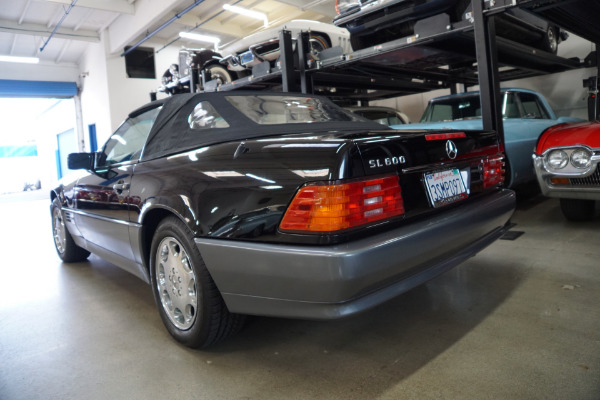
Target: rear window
(205, 116)
(272, 110)
(382, 117)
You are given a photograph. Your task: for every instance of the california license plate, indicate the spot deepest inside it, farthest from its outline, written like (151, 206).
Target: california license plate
(445, 187)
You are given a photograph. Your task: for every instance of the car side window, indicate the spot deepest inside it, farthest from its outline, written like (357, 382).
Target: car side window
(510, 108)
(127, 142)
(205, 116)
(532, 107)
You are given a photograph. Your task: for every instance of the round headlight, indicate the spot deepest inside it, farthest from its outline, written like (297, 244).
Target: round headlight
(581, 158)
(557, 159)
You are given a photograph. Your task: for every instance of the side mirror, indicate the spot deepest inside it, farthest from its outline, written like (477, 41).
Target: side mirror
(81, 161)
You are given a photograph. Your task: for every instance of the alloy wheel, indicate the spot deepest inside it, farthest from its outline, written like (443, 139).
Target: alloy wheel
(58, 226)
(176, 283)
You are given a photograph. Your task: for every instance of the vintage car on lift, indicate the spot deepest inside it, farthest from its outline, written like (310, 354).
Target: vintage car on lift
(371, 22)
(566, 164)
(237, 59)
(277, 204)
(262, 46)
(525, 113)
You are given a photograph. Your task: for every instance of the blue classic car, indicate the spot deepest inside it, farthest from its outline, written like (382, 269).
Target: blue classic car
(526, 114)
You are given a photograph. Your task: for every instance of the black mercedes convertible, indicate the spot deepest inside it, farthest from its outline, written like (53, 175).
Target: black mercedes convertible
(277, 204)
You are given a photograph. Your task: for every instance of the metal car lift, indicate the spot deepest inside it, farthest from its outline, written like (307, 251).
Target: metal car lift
(439, 55)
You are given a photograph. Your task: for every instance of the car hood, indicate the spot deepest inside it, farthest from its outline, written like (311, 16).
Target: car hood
(295, 27)
(586, 133)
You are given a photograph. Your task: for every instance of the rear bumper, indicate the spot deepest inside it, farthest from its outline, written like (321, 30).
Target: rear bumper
(326, 282)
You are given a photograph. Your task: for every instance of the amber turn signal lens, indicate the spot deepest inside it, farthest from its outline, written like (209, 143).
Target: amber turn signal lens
(560, 181)
(330, 208)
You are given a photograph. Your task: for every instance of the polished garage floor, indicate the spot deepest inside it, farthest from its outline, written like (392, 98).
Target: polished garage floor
(519, 321)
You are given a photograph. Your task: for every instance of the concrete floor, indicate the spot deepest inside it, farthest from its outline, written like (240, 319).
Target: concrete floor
(519, 321)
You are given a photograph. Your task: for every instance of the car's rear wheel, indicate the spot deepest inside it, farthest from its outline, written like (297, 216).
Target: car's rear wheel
(577, 209)
(217, 72)
(66, 248)
(187, 298)
(549, 42)
(317, 44)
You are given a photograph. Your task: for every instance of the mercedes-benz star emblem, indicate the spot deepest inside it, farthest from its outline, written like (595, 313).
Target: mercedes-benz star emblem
(451, 149)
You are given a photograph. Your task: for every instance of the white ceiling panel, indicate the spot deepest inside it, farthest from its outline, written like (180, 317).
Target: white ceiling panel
(25, 25)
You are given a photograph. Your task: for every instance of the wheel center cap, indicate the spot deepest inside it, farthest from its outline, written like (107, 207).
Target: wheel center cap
(175, 280)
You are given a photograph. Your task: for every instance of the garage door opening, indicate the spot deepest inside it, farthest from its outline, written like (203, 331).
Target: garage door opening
(36, 134)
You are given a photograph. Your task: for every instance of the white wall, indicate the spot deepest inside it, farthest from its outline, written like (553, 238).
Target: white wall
(94, 93)
(127, 94)
(107, 94)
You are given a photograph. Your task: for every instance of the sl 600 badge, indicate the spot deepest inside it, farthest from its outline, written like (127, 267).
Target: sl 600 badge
(386, 162)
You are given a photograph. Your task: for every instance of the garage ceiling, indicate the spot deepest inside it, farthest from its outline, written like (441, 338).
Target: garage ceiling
(25, 25)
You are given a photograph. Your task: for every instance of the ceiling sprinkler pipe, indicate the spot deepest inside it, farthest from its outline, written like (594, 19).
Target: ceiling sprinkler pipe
(58, 25)
(160, 28)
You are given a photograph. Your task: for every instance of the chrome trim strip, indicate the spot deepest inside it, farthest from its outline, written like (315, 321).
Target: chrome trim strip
(101, 217)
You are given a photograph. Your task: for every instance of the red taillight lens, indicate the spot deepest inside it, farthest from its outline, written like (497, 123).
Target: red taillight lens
(493, 171)
(330, 208)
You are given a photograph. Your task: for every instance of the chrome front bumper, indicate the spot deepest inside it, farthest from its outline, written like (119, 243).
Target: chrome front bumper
(586, 187)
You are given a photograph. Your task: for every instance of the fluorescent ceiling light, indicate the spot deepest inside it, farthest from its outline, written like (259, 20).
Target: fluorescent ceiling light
(248, 13)
(27, 60)
(200, 38)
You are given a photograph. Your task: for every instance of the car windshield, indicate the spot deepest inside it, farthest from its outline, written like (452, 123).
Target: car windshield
(271, 110)
(453, 109)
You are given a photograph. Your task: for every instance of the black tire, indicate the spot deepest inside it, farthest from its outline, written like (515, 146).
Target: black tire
(187, 298)
(550, 41)
(317, 43)
(357, 42)
(508, 179)
(65, 247)
(577, 209)
(217, 72)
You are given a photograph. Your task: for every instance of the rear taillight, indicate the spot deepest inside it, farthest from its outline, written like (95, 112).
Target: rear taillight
(330, 208)
(493, 171)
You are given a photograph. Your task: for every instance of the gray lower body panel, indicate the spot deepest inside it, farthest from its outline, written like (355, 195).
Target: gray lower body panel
(325, 282)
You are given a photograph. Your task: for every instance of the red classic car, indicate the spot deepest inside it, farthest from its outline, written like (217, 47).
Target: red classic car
(566, 164)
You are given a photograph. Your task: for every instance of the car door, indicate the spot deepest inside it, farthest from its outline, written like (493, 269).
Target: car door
(102, 197)
(526, 119)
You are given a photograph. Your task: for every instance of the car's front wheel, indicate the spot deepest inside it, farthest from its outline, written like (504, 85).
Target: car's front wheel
(577, 209)
(66, 248)
(187, 298)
